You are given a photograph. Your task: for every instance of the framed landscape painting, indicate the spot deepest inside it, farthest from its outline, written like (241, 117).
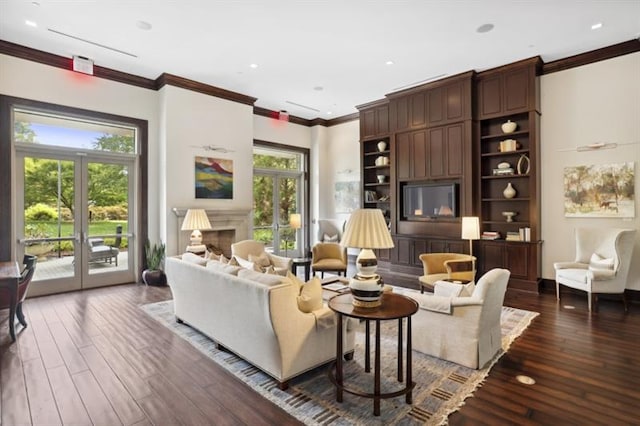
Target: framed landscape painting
(601, 190)
(214, 178)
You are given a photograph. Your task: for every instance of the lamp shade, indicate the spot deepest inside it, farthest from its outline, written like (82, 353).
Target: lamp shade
(470, 228)
(295, 220)
(367, 229)
(195, 219)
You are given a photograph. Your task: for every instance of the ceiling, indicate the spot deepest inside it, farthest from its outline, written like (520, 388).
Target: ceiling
(315, 58)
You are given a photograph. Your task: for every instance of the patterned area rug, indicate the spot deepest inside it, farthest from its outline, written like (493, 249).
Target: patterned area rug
(441, 386)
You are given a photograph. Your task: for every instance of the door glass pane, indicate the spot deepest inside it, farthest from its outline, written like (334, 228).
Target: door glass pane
(287, 203)
(263, 209)
(107, 213)
(49, 216)
(264, 158)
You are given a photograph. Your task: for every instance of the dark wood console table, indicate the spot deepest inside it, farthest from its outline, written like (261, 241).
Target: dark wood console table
(9, 278)
(394, 306)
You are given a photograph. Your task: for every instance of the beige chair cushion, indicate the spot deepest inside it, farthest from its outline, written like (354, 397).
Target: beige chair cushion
(262, 259)
(329, 257)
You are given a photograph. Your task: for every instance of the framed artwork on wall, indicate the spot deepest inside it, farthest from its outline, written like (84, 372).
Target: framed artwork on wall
(214, 178)
(347, 196)
(600, 190)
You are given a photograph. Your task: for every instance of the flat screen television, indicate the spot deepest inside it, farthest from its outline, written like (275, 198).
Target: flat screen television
(422, 201)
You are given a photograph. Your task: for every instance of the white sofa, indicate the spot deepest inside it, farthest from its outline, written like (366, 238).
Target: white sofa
(259, 322)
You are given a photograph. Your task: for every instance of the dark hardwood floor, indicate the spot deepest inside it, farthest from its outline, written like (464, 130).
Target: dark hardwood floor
(94, 357)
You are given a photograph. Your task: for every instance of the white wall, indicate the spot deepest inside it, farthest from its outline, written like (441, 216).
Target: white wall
(190, 121)
(31, 80)
(599, 102)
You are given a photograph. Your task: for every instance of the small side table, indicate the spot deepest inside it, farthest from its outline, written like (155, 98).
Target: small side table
(9, 279)
(301, 261)
(394, 306)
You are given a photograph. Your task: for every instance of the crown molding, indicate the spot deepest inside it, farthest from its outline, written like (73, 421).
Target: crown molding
(65, 63)
(609, 52)
(195, 86)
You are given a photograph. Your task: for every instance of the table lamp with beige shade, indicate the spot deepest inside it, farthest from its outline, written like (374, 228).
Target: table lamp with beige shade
(367, 230)
(196, 220)
(470, 230)
(295, 222)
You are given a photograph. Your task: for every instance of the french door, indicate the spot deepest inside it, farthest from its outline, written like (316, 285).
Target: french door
(78, 217)
(276, 196)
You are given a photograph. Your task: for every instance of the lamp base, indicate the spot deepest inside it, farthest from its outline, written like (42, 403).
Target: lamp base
(196, 238)
(366, 290)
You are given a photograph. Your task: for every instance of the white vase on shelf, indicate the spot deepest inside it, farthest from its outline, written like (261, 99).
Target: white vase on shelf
(509, 191)
(382, 145)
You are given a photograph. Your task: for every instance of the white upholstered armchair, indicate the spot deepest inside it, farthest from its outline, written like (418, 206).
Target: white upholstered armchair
(251, 250)
(462, 329)
(601, 265)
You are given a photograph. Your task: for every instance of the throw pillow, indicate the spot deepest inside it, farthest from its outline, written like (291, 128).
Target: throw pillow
(233, 261)
(246, 264)
(261, 260)
(599, 263)
(310, 298)
(270, 270)
(297, 282)
(223, 259)
(330, 238)
(259, 277)
(194, 258)
(224, 268)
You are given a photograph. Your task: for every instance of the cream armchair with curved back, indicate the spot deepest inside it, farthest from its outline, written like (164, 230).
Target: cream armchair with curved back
(601, 265)
(440, 266)
(459, 326)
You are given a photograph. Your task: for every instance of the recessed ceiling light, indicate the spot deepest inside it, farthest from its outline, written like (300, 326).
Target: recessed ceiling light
(31, 23)
(389, 63)
(254, 65)
(35, 3)
(318, 88)
(329, 113)
(144, 25)
(484, 28)
(596, 26)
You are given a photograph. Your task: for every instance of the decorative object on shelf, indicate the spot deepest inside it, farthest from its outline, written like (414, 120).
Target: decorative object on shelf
(600, 190)
(470, 230)
(382, 161)
(382, 145)
(509, 191)
(509, 127)
(525, 234)
(195, 220)
(524, 165)
(509, 215)
(370, 196)
(504, 168)
(381, 178)
(508, 145)
(367, 230)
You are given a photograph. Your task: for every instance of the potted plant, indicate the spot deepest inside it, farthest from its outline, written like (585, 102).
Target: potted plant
(154, 255)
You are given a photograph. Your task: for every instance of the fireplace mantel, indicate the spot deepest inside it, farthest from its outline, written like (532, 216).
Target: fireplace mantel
(238, 220)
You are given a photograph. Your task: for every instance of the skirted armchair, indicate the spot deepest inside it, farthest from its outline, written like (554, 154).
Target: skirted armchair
(438, 266)
(463, 329)
(601, 265)
(252, 251)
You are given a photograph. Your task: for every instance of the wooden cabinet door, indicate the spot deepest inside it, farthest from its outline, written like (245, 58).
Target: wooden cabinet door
(491, 255)
(516, 260)
(490, 96)
(399, 114)
(455, 150)
(454, 100)
(436, 157)
(418, 109)
(374, 122)
(367, 124)
(419, 156)
(403, 251)
(403, 155)
(516, 91)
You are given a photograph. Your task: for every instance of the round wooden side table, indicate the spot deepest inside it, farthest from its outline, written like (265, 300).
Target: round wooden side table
(394, 306)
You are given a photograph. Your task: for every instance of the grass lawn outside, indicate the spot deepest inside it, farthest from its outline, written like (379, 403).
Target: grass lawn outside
(49, 229)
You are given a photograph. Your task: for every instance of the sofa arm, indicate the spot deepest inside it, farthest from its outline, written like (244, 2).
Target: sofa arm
(325, 318)
(570, 265)
(280, 261)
